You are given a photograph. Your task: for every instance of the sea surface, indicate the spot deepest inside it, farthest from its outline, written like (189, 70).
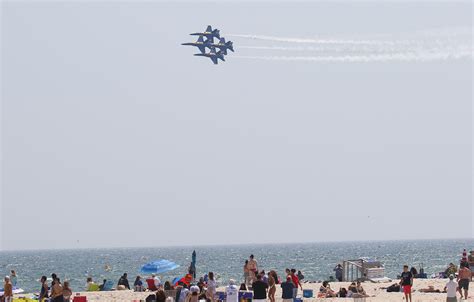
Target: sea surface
(315, 260)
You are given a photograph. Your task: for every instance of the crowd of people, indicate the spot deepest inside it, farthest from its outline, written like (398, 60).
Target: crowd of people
(261, 284)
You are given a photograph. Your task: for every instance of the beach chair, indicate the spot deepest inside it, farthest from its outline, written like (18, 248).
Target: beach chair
(151, 284)
(108, 286)
(79, 299)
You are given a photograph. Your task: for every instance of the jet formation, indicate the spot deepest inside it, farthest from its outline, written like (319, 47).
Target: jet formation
(217, 51)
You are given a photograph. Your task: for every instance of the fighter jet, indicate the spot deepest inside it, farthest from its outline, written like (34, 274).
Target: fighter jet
(200, 43)
(222, 45)
(213, 55)
(209, 34)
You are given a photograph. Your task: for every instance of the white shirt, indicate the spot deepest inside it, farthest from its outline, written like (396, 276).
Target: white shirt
(451, 287)
(157, 281)
(232, 292)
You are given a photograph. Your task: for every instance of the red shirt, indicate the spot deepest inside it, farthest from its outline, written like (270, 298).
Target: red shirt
(295, 280)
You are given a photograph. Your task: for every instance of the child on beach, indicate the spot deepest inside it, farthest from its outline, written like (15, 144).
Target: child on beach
(451, 288)
(406, 282)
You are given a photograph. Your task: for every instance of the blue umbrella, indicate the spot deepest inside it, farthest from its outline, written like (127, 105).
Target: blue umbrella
(158, 267)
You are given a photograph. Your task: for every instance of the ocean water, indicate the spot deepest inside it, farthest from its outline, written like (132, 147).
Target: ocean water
(315, 260)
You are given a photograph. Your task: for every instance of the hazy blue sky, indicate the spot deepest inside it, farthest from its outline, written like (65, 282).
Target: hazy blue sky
(113, 134)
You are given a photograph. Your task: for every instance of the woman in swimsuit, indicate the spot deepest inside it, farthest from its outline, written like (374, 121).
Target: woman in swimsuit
(272, 280)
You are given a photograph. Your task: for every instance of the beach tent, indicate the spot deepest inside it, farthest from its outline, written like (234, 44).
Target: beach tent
(158, 267)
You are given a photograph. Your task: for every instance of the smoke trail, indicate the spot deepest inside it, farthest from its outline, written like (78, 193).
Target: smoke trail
(403, 57)
(321, 41)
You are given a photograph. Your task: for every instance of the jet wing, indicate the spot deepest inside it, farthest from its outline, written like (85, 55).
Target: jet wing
(202, 48)
(214, 59)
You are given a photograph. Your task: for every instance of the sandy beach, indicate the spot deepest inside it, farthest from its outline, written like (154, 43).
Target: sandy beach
(373, 289)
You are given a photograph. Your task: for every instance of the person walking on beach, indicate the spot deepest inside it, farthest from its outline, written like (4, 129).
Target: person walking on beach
(44, 289)
(464, 277)
(451, 289)
(259, 290)
(296, 282)
(8, 290)
(253, 268)
(406, 282)
(287, 290)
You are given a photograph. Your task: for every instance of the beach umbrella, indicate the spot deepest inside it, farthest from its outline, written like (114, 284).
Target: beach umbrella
(193, 265)
(159, 267)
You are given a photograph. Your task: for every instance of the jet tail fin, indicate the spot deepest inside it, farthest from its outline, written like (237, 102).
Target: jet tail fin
(200, 39)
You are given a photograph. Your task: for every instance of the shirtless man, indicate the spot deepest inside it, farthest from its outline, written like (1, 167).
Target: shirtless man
(253, 268)
(8, 290)
(464, 277)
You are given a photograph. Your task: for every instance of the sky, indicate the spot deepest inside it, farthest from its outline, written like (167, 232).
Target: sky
(330, 122)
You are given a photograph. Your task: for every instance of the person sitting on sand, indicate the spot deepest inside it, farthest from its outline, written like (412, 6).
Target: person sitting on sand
(243, 286)
(352, 290)
(67, 291)
(342, 292)
(361, 291)
(138, 284)
(90, 285)
(123, 283)
(326, 291)
(167, 285)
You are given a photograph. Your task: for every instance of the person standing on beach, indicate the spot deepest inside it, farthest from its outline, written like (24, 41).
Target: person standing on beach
(44, 289)
(406, 282)
(287, 290)
(296, 282)
(271, 285)
(464, 277)
(8, 290)
(253, 268)
(57, 291)
(338, 271)
(451, 289)
(211, 287)
(232, 292)
(259, 290)
(246, 273)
